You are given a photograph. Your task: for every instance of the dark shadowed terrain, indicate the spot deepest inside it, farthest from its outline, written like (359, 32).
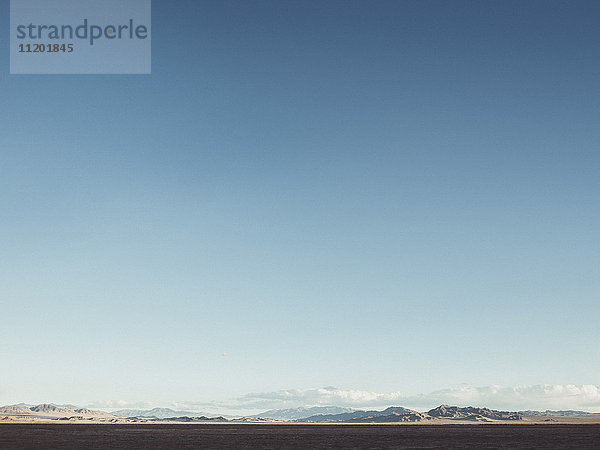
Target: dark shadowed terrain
(177, 436)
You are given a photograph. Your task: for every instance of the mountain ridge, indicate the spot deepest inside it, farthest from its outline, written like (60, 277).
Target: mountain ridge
(358, 414)
(52, 411)
(301, 412)
(156, 413)
(394, 414)
(400, 414)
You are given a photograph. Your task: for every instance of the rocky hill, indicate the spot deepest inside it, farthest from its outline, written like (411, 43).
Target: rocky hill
(399, 414)
(470, 413)
(15, 410)
(48, 410)
(356, 416)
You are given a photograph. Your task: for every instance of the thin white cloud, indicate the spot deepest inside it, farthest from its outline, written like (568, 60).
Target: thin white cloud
(318, 397)
(540, 397)
(111, 405)
(536, 397)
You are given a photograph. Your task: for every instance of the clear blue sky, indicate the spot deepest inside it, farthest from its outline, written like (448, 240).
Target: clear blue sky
(384, 196)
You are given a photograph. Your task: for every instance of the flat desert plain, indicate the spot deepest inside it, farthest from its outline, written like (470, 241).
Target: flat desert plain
(297, 436)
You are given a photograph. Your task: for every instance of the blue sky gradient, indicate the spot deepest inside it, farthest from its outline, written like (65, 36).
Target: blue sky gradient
(387, 196)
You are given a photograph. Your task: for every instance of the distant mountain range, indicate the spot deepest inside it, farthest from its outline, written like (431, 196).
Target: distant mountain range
(470, 413)
(334, 414)
(50, 411)
(399, 414)
(155, 413)
(318, 414)
(354, 415)
(301, 413)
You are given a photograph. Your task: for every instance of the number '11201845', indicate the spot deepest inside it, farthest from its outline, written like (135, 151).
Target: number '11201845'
(45, 48)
